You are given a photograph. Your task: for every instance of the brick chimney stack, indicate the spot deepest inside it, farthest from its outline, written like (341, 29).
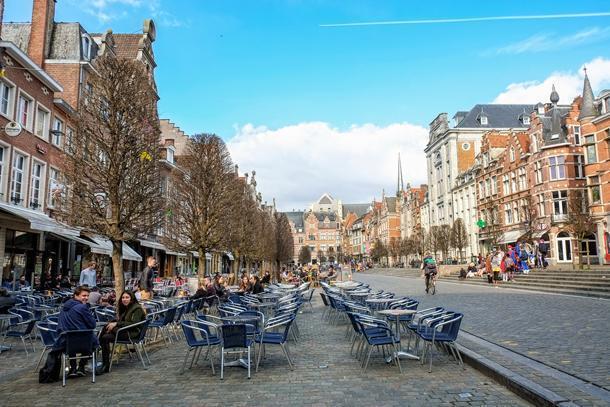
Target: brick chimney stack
(43, 16)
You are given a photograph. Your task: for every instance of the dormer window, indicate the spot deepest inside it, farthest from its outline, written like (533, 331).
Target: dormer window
(170, 154)
(483, 119)
(86, 42)
(526, 120)
(540, 108)
(512, 154)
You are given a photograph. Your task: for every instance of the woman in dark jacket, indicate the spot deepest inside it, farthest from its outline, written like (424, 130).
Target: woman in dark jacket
(129, 312)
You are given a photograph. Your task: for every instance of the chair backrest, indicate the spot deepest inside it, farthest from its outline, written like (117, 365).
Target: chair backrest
(189, 332)
(80, 341)
(48, 333)
(170, 313)
(234, 336)
(324, 299)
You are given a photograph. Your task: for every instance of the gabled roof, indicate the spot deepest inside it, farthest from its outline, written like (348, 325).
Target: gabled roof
(391, 203)
(127, 45)
(553, 124)
(498, 116)
(325, 199)
(296, 218)
(358, 209)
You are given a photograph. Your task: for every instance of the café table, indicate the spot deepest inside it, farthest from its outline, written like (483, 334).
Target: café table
(376, 303)
(286, 286)
(397, 313)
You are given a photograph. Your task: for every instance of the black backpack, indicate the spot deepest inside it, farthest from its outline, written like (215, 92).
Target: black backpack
(51, 369)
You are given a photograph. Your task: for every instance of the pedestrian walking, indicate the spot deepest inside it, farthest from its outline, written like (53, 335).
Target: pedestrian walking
(543, 250)
(88, 277)
(146, 279)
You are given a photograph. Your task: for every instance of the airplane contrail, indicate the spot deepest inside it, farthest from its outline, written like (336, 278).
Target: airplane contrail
(471, 19)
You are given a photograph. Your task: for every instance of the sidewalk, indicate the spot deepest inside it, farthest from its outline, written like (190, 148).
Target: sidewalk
(325, 375)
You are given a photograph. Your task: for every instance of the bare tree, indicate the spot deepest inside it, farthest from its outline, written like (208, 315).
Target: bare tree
(433, 237)
(580, 222)
(204, 196)
(112, 159)
(443, 239)
(394, 248)
(459, 237)
(304, 255)
(283, 240)
(378, 251)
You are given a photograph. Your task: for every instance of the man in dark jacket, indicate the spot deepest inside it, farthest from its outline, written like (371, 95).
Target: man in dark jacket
(75, 315)
(146, 279)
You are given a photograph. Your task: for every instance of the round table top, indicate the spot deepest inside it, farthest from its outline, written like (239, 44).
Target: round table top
(241, 318)
(380, 300)
(261, 304)
(362, 294)
(397, 312)
(286, 286)
(346, 284)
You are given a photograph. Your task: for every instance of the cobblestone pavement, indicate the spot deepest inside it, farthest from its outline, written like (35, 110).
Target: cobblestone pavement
(566, 332)
(325, 374)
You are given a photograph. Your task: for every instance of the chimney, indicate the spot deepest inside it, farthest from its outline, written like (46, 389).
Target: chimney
(43, 15)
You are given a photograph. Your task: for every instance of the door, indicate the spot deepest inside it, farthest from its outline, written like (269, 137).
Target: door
(564, 248)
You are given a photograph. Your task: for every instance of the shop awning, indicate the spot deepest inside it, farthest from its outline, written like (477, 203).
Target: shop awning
(104, 246)
(196, 254)
(39, 220)
(539, 234)
(152, 244)
(172, 253)
(76, 239)
(511, 236)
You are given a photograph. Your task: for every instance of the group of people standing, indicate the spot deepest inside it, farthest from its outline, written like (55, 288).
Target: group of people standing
(502, 265)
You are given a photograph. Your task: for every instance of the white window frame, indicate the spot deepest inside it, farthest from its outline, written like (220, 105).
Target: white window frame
(562, 198)
(170, 154)
(37, 185)
(46, 124)
(494, 185)
(506, 184)
(56, 138)
(10, 108)
(30, 118)
(541, 209)
(593, 185)
(513, 182)
(508, 214)
(526, 120)
(511, 154)
(588, 144)
(484, 121)
(579, 166)
(4, 161)
(577, 135)
(557, 164)
(24, 172)
(54, 181)
(86, 43)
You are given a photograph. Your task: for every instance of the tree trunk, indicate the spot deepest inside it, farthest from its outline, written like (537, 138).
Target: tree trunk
(117, 267)
(201, 268)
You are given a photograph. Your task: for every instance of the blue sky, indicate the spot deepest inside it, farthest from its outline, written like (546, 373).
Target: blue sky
(229, 66)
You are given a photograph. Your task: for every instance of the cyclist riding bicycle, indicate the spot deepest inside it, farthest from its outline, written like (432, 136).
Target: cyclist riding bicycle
(430, 269)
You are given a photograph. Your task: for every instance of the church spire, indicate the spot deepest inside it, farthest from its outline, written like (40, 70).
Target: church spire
(400, 184)
(587, 107)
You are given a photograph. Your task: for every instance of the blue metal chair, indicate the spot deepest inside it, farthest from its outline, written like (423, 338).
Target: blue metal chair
(48, 335)
(78, 343)
(22, 330)
(442, 330)
(138, 341)
(378, 334)
(161, 321)
(234, 336)
(269, 336)
(198, 334)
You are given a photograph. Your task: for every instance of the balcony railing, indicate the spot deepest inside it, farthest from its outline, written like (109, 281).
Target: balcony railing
(561, 217)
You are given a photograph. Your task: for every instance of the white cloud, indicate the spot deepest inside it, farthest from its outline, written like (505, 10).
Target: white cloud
(550, 42)
(296, 164)
(107, 11)
(568, 84)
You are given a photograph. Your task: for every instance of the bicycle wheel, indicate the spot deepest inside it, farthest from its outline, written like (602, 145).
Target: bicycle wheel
(433, 287)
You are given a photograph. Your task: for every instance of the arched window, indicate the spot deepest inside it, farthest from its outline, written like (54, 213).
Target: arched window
(588, 245)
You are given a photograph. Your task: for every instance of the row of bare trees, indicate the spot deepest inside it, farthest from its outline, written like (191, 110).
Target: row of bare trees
(112, 182)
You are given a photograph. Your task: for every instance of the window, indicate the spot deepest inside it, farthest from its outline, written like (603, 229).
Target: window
(508, 214)
(494, 185)
(576, 130)
(540, 204)
(512, 154)
(58, 131)
(42, 123)
(513, 182)
(170, 155)
(579, 166)
(538, 172)
(86, 47)
(6, 98)
(506, 184)
(18, 178)
(483, 120)
(481, 189)
(522, 179)
(24, 116)
(488, 187)
(590, 149)
(516, 216)
(54, 187)
(595, 190)
(36, 185)
(560, 202)
(557, 168)
(534, 143)
(3, 156)
(526, 120)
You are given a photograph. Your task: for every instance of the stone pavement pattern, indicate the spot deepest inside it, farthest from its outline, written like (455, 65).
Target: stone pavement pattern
(325, 374)
(566, 332)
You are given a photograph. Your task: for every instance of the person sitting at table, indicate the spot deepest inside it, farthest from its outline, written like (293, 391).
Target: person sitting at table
(220, 286)
(23, 283)
(266, 278)
(244, 285)
(6, 301)
(255, 285)
(75, 315)
(108, 299)
(95, 296)
(205, 290)
(129, 312)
